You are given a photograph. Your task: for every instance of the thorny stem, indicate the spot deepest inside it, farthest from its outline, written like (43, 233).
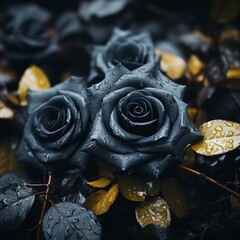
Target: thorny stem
(44, 204)
(209, 180)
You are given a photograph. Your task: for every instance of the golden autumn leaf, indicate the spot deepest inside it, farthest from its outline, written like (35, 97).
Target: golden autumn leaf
(135, 189)
(5, 112)
(173, 194)
(100, 183)
(33, 79)
(195, 65)
(173, 65)
(220, 136)
(100, 201)
(8, 161)
(233, 73)
(224, 11)
(153, 211)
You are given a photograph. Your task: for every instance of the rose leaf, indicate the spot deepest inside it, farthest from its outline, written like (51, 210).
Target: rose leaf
(154, 211)
(100, 183)
(67, 220)
(15, 203)
(173, 194)
(220, 136)
(33, 79)
(100, 201)
(135, 189)
(16, 176)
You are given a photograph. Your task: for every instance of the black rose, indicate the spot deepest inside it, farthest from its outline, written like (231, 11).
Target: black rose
(124, 47)
(57, 123)
(26, 36)
(141, 123)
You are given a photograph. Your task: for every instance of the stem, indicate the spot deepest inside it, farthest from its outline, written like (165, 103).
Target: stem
(209, 180)
(44, 204)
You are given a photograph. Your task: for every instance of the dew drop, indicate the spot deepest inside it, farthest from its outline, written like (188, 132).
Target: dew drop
(106, 81)
(209, 124)
(218, 128)
(230, 146)
(208, 150)
(229, 124)
(214, 132)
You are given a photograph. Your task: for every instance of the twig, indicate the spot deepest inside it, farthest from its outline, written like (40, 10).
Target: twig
(209, 180)
(44, 204)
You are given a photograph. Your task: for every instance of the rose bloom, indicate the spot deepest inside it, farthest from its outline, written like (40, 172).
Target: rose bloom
(57, 123)
(124, 47)
(141, 124)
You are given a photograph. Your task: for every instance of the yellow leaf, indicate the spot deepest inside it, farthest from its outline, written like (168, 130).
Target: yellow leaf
(220, 136)
(154, 211)
(195, 65)
(173, 194)
(5, 112)
(233, 73)
(100, 201)
(224, 11)
(100, 183)
(135, 189)
(173, 65)
(8, 161)
(33, 79)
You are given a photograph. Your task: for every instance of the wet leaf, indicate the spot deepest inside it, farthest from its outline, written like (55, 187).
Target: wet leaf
(154, 211)
(8, 161)
(220, 136)
(100, 201)
(173, 194)
(195, 65)
(135, 189)
(15, 203)
(224, 11)
(100, 183)
(173, 65)
(5, 112)
(17, 176)
(33, 79)
(235, 202)
(67, 220)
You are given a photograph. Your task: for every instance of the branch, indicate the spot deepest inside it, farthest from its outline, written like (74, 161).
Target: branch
(209, 180)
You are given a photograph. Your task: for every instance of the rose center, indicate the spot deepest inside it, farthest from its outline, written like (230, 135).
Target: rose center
(138, 115)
